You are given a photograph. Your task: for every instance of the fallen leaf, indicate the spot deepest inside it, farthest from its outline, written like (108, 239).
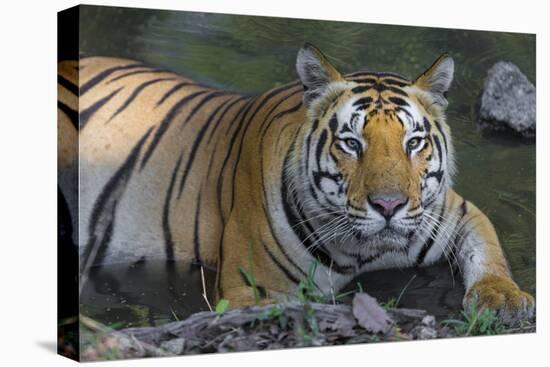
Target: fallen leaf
(370, 315)
(343, 325)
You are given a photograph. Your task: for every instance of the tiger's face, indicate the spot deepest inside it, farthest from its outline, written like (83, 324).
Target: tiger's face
(378, 148)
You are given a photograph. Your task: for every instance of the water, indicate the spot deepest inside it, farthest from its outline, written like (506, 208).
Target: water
(253, 54)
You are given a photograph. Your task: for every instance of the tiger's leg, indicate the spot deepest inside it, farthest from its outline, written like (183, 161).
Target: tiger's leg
(487, 278)
(246, 274)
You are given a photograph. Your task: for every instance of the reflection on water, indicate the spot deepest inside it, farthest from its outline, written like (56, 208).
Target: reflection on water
(253, 54)
(146, 293)
(152, 293)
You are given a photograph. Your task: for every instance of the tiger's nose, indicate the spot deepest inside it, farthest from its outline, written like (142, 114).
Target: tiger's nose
(387, 204)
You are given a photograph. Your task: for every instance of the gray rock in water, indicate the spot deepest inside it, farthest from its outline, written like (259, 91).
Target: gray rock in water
(508, 101)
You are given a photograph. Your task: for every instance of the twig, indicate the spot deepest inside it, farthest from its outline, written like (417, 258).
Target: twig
(94, 325)
(204, 289)
(404, 289)
(174, 314)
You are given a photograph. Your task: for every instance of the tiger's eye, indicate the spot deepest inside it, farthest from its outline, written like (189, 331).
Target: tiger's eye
(353, 144)
(413, 143)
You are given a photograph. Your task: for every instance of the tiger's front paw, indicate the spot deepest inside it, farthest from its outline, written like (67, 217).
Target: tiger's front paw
(246, 296)
(502, 294)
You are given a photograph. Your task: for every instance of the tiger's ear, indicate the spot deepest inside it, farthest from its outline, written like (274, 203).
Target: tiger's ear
(437, 79)
(315, 72)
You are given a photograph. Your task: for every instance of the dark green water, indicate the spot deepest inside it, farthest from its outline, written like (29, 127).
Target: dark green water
(253, 54)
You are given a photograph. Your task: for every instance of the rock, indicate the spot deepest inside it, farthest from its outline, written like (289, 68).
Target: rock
(423, 332)
(174, 346)
(429, 321)
(508, 101)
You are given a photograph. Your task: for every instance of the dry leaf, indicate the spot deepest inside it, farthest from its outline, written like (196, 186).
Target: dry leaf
(343, 325)
(370, 315)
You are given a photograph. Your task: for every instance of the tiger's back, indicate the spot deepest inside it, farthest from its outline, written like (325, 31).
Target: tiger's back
(152, 144)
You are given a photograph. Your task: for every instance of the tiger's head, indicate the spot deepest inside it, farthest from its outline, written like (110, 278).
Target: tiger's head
(375, 148)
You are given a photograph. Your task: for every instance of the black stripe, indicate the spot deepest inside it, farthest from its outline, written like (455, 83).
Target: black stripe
(268, 216)
(438, 125)
(362, 101)
(135, 93)
(417, 127)
(398, 101)
(265, 100)
(380, 87)
(400, 120)
(71, 114)
(285, 271)
(279, 245)
(165, 123)
(346, 128)
(464, 207)
(358, 74)
(334, 158)
(171, 91)
(428, 244)
(196, 234)
(333, 124)
(283, 113)
(73, 88)
(296, 219)
(222, 114)
(464, 211)
(422, 254)
(427, 125)
(398, 91)
(359, 209)
(195, 148)
(363, 261)
(319, 149)
(360, 261)
(319, 175)
(414, 216)
(103, 75)
(205, 100)
(384, 74)
(314, 126)
(358, 217)
(426, 145)
(308, 141)
(218, 123)
(168, 242)
(439, 150)
(104, 210)
(242, 112)
(361, 89)
(377, 74)
(147, 71)
(267, 97)
(365, 80)
(89, 112)
(405, 111)
(437, 174)
(395, 82)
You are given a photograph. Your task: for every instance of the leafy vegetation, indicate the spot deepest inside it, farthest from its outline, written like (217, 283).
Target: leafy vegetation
(251, 280)
(222, 306)
(476, 321)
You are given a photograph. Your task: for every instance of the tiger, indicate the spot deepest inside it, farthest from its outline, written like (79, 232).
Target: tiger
(351, 172)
